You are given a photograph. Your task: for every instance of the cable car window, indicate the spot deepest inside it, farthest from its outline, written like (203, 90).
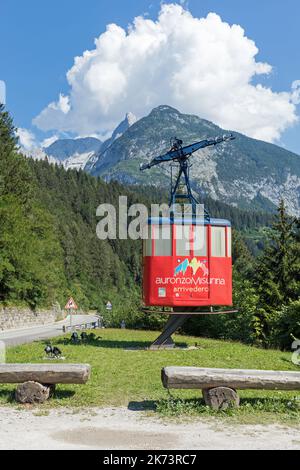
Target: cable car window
(229, 242)
(148, 242)
(163, 241)
(183, 244)
(200, 240)
(218, 242)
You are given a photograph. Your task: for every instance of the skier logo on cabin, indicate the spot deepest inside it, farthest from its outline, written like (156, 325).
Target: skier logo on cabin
(195, 265)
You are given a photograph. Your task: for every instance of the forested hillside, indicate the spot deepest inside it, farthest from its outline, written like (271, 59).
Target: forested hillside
(48, 242)
(49, 250)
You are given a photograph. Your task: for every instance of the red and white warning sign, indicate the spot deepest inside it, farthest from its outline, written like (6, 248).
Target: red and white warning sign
(71, 305)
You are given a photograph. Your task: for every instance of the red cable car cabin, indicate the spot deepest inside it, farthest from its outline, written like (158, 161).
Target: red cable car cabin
(188, 265)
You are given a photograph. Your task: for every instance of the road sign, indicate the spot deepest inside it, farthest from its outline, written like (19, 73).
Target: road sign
(71, 305)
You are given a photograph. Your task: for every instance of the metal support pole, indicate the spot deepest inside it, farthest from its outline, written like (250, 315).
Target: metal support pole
(165, 341)
(71, 320)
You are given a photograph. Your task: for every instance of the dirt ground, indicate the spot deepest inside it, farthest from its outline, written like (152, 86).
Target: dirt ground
(119, 428)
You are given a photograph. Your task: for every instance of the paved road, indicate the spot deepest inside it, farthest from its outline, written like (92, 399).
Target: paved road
(36, 333)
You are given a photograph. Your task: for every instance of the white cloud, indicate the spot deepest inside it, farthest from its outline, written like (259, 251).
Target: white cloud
(63, 104)
(49, 141)
(202, 66)
(296, 92)
(26, 139)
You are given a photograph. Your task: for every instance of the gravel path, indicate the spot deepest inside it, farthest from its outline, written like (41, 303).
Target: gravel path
(119, 428)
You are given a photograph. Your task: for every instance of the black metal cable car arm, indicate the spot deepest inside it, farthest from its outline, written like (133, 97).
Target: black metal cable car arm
(182, 153)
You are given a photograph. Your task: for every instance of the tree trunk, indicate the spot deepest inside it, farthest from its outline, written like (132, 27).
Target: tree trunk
(221, 398)
(202, 378)
(45, 373)
(32, 392)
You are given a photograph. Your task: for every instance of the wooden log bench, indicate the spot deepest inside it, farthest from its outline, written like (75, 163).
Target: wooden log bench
(38, 381)
(219, 386)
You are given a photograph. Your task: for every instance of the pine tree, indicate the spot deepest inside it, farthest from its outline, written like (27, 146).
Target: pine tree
(274, 276)
(15, 176)
(294, 267)
(242, 258)
(274, 268)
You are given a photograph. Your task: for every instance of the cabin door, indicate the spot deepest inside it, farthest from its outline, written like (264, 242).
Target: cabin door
(191, 263)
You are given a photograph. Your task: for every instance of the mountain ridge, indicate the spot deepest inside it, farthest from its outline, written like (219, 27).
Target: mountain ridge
(246, 172)
(62, 149)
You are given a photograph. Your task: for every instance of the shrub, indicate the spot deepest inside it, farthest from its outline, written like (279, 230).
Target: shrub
(286, 326)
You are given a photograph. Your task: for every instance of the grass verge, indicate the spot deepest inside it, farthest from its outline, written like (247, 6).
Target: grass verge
(124, 373)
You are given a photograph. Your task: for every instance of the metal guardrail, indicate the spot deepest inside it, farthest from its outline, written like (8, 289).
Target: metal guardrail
(83, 326)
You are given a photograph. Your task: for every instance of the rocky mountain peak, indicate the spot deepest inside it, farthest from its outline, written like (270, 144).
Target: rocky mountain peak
(164, 109)
(247, 173)
(131, 119)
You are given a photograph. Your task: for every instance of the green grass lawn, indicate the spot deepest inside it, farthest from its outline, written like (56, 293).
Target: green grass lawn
(124, 377)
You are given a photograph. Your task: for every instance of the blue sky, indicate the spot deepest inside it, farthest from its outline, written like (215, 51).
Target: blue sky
(39, 40)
